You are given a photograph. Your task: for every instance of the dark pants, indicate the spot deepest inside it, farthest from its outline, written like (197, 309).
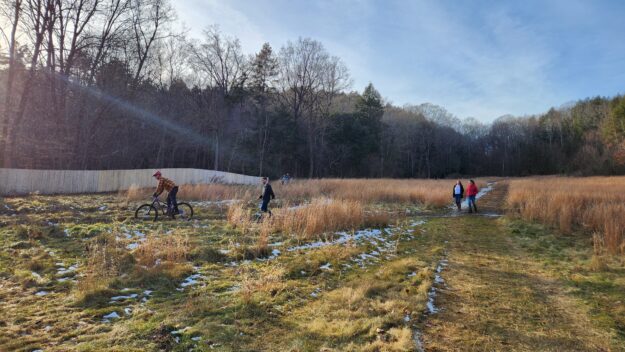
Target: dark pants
(471, 202)
(458, 199)
(172, 204)
(264, 207)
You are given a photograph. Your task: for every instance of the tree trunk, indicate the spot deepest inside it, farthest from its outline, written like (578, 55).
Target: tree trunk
(216, 150)
(311, 153)
(6, 116)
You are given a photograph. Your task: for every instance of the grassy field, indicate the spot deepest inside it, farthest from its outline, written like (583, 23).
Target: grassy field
(593, 204)
(378, 271)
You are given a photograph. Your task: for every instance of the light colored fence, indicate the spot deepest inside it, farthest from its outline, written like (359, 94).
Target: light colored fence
(21, 181)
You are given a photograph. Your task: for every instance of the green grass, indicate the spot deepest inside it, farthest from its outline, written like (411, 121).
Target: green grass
(251, 305)
(501, 273)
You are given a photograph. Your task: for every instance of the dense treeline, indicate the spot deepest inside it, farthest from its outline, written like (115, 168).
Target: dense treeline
(102, 84)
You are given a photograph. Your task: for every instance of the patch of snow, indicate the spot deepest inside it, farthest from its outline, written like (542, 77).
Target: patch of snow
(325, 266)
(417, 223)
(123, 298)
(128, 310)
(412, 274)
(431, 308)
(67, 232)
(180, 331)
(190, 281)
(416, 337)
(223, 251)
(275, 253)
(343, 238)
(63, 272)
(112, 315)
(41, 293)
(132, 246)
(37, 276)
(197, 338)
(102, 208)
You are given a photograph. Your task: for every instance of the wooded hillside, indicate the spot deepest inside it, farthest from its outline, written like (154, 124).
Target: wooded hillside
(105, 84)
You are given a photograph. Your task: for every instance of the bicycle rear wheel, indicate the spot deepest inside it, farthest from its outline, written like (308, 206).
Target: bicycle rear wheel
(146, 212)
(185, 211)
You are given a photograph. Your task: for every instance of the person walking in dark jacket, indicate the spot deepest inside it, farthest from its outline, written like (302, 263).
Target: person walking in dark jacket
(266, 196)
(458, 193)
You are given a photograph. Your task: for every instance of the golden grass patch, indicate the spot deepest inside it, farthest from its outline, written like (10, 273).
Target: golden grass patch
(595, 204)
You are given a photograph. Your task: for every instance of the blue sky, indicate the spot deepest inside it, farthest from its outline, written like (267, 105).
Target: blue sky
(481, 59)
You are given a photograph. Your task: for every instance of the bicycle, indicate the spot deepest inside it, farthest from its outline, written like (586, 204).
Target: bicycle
(150, 211)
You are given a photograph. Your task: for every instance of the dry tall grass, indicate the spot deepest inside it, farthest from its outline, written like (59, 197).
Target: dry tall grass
(428, 192)
(172, 248)
(209, 192)
(106, 258)
(594, 204)
(320, 216)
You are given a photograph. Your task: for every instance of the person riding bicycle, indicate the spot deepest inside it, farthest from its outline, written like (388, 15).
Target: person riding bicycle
(165, 184)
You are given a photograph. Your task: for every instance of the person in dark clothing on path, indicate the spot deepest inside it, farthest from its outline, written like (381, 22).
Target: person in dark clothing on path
(471, 194)
(458, 193)
(165, 184)
(266, 196)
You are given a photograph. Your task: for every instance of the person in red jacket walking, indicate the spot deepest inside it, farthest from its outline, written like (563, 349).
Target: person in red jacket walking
(471, 193)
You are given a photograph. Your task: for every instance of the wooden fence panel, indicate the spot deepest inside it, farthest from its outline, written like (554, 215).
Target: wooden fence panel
(23, 181)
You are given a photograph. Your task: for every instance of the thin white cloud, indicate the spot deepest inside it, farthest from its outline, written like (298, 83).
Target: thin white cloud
(199, 14)
(482, 61)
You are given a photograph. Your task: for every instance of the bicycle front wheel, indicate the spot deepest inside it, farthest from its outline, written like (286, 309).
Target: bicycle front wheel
(146, 212)
(185, 211)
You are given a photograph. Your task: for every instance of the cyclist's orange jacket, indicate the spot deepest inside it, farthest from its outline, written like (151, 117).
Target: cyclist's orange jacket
(164, 184)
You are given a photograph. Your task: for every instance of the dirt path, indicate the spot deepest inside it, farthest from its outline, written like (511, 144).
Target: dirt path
(494, 202)
(496, 298)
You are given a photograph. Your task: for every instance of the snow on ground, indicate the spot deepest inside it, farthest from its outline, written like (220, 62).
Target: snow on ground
(343, 238)
(274, 253)
(438, 280)
(62, 271)
(123, 298)
(326, 266)
(191, 280)
(107, 318)
(208, 203)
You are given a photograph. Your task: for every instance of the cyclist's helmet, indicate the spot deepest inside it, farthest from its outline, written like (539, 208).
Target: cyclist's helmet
(156, 174)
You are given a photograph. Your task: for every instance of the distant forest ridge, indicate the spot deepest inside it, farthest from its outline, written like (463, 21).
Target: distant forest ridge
(111, 85)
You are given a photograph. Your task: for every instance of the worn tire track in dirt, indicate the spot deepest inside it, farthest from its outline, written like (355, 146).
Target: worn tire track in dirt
(497, 299)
